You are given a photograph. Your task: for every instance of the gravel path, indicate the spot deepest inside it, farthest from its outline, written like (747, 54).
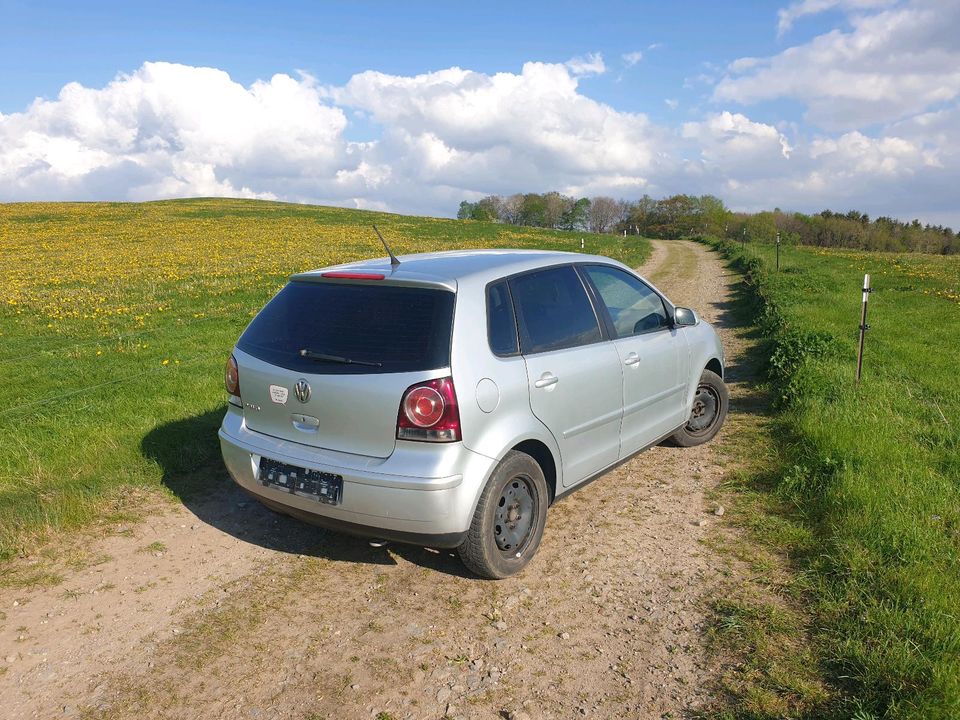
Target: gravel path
(224, 610)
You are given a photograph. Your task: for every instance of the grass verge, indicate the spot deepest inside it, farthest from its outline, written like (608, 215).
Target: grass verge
(862, 482)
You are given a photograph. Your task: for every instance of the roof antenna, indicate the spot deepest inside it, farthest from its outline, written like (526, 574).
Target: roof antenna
(393, 258)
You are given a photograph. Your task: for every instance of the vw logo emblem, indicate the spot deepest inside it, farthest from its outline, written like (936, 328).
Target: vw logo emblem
(302, 390)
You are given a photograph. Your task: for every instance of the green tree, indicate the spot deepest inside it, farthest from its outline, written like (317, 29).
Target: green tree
(486, 209)
(714, 216)
(554, 205)
(576, 216)
(533, 210)
(761, 227)
(676, 216)
(642, 215)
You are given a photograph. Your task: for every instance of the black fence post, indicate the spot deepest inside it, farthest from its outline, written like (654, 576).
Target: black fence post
(863, 323)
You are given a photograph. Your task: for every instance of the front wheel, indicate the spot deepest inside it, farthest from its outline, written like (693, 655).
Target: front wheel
(707, 414)
(508, 523)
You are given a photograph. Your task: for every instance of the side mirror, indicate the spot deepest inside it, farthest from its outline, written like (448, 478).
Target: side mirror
(684, 317)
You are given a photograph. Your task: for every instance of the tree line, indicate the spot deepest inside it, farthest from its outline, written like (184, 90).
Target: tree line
(549, 210)
(691, 215)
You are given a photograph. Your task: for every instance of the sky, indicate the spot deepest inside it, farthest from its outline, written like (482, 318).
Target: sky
(412, 107)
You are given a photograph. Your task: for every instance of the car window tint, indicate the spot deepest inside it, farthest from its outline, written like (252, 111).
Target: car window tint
(554, 310)
(501, 324)
(401, 328)
(633, 306)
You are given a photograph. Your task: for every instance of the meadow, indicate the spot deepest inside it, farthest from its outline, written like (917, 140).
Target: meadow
(117, 318)
(868, 474)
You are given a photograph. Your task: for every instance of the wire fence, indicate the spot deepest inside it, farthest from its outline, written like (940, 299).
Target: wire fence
(106, 339)
(116, 381)
(11, 349)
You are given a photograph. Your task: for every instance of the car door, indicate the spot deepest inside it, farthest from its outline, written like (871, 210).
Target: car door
(573, 371)
(649, 349)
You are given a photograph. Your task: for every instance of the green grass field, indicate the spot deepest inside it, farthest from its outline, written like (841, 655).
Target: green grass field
(871, 472)
(116, 320)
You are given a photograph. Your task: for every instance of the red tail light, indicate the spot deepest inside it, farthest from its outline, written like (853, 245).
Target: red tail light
(231, 377)
(428, 412)
(353, 275)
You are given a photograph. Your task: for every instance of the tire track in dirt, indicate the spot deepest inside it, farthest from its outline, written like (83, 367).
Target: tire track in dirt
(243, 613)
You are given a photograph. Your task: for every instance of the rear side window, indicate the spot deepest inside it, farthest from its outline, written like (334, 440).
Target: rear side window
(403, 329)
(501, 323)
(553, 310)
(633, 305)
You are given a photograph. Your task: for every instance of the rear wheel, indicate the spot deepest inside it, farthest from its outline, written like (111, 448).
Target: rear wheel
(707, 414)
(509, 520)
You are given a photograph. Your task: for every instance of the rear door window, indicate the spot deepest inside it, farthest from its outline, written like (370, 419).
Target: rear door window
(553, 310)
(501, 322)
(633, 305)
(396, 329)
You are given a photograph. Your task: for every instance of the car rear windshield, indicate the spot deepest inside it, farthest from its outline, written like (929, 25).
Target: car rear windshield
(396, 329)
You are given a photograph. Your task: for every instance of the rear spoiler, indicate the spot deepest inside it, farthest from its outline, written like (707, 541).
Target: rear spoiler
(374, 274)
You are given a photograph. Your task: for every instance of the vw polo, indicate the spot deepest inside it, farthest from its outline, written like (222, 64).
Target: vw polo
(448, 399)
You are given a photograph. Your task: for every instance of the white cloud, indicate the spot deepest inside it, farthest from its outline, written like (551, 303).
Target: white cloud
(172, 130)
(532, 130)
(632, 58)
(589, 64)
(672, 103)
(891, 65)
(854, 154)
(909, 172)
(735, 146)
(787, 16)
(169, 130)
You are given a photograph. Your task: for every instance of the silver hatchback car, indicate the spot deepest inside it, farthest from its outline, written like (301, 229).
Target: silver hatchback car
(448, 399)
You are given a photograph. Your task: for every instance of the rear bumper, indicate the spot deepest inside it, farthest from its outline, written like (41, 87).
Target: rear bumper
(423, 493)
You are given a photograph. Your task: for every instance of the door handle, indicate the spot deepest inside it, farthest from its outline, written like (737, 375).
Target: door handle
(546, 380)
(631, 359)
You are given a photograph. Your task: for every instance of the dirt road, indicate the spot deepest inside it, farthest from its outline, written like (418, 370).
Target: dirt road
(221, 609)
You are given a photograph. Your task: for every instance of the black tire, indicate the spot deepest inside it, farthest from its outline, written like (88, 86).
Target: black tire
(508, 523)
(708, 413)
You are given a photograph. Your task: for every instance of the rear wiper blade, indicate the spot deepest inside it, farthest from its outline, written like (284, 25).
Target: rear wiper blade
(322, 357)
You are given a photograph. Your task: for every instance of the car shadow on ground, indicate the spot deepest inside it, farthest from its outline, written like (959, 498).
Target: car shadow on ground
(188, 452)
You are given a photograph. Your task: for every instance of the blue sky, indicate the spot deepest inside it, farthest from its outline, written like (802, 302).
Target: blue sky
(44, 46)
(664, 83)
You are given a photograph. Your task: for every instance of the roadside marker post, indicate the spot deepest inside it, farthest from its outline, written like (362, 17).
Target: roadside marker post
(863, 323)
(743, 238)
(581, 243)
(778, 251)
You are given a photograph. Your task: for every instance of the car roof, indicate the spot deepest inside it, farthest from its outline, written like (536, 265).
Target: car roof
(450, 267)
